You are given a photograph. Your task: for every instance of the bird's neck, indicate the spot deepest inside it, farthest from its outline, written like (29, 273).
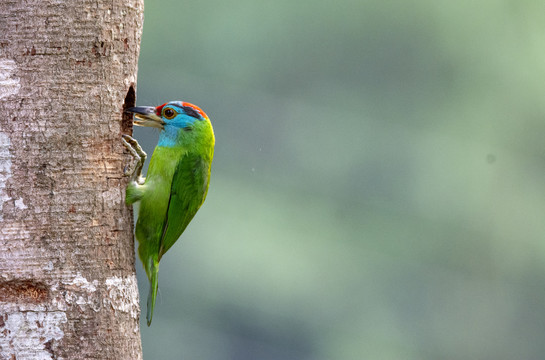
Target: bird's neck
(168, 137)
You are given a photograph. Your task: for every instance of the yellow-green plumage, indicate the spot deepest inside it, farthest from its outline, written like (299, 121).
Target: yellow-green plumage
(175, 186)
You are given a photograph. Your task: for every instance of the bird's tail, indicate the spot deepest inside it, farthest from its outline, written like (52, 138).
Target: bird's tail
(152, 296)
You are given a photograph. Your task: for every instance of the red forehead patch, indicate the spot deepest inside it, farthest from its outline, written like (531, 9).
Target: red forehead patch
(159, 109)
(198, 109)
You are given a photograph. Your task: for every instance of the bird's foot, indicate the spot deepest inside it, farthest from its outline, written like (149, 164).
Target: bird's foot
(136, 150)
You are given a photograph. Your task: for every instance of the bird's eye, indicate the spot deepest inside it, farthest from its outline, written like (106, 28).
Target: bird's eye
(169, 113)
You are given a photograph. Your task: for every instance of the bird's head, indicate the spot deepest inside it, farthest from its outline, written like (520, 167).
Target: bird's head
(178, 114)
(176, 119)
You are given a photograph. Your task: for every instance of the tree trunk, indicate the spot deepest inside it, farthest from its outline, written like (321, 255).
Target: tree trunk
(67, 279)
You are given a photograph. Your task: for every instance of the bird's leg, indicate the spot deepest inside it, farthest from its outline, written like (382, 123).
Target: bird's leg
(132, 145)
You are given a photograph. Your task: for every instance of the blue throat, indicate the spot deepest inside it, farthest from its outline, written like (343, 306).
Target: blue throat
(168, 136)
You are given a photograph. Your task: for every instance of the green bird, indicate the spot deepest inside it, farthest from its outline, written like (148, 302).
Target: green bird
(176, 183)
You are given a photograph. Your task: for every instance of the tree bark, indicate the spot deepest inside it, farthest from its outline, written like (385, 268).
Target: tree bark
(67, 279)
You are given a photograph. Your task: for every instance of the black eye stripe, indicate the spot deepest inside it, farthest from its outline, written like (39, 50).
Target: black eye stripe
(189, 111)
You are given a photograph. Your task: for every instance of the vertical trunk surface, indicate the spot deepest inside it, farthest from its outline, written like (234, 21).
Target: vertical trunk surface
(67, 281)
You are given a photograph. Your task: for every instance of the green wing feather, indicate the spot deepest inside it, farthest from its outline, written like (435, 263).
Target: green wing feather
(187, 194)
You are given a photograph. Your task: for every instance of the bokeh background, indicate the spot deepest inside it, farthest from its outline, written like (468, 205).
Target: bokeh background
(378, 188)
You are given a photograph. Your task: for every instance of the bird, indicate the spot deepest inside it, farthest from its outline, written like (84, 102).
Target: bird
(176, 182)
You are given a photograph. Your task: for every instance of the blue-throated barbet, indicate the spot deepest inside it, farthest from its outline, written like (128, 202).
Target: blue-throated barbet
(176, 182)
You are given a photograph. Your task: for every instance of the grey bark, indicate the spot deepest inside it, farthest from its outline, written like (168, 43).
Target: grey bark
(67, 278)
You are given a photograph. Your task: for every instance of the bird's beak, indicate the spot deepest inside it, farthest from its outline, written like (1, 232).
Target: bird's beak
(146, 116)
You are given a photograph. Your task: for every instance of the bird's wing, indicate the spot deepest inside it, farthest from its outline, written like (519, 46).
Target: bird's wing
(188, 191)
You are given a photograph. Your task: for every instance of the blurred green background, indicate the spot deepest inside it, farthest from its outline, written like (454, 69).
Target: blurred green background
(378, 188)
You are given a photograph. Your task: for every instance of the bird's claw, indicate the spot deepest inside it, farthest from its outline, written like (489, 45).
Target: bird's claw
(136, 151)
